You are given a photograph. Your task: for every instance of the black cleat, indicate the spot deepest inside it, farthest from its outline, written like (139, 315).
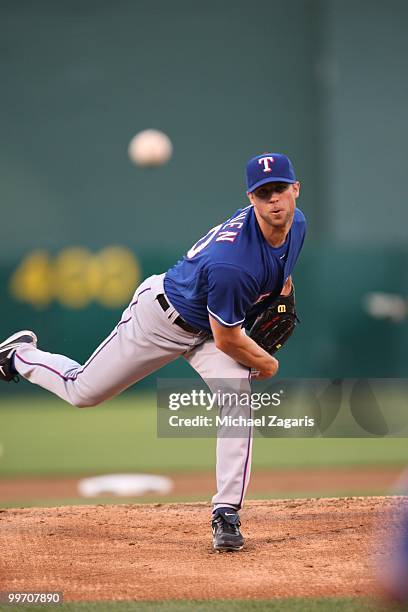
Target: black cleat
(7, 349)
(225, 526)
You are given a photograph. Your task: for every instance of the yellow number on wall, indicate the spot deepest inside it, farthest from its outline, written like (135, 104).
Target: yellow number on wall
(32, 282)
(121, 275)
(77, 277)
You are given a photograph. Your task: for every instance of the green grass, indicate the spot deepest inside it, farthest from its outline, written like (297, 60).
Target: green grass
(41, 435)
(275, 605)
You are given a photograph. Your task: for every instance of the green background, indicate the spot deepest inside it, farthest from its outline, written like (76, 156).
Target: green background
(323, 81)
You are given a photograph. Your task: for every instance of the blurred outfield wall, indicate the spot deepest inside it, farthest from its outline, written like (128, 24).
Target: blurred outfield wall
(324, 81)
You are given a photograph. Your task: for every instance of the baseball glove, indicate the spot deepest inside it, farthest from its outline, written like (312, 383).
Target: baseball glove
(275, 325)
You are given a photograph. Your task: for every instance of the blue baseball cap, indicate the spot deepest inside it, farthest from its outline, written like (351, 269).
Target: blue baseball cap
(269, 168)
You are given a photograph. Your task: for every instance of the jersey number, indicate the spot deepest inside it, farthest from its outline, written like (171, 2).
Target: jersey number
(203, 242)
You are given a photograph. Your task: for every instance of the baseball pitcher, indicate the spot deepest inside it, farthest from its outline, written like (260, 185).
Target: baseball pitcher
(226, 307)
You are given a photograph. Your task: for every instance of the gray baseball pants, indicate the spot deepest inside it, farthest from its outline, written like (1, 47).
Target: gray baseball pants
(144, 340)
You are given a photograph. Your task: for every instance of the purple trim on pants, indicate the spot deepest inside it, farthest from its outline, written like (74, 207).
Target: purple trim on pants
(41, 365)
(248, 453)
(80, 370)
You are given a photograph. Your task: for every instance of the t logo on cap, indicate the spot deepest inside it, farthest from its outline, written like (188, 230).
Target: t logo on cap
(269, 168)
(265, 161)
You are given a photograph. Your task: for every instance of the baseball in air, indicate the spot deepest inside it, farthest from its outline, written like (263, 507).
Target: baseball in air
(150, 148)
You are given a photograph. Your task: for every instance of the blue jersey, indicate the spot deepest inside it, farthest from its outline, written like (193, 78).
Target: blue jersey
(232, 270)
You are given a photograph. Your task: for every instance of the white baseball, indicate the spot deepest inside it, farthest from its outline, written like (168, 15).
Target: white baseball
(150, 148)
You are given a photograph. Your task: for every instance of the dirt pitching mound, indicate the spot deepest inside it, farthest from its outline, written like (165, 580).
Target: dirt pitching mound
(306, 547)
